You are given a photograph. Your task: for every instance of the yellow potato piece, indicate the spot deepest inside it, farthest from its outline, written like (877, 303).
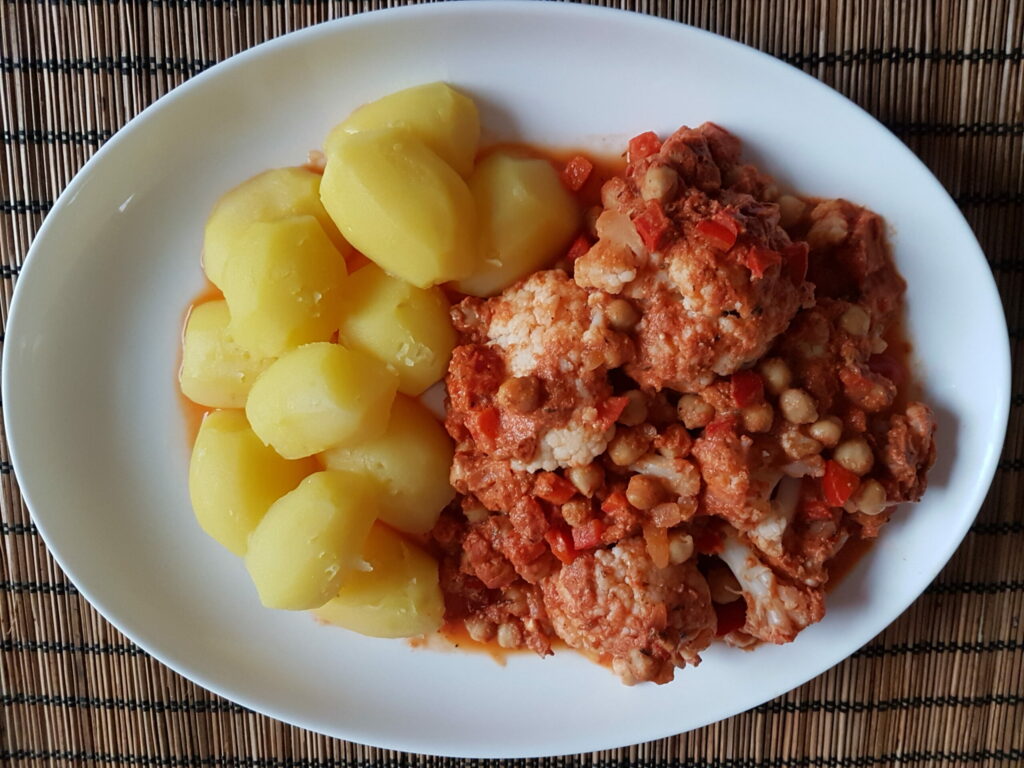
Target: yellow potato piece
(400, 596)
(277, 194)
(283, 290)
(408, 328)
(526, 219)
(401, 205)
(310, 540)
(436, 114)
(215, 371)
(319, 396)
(411, 461)
(234, 478)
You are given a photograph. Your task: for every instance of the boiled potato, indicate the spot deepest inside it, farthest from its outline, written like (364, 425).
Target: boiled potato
(282, 289)
(399, 596)
(411, 460)
(401, 205)
(270, 196)
(319, 396)
(233, 478)
(436, 114)
(310, 540)
(525, 216)
(404, 326)
(215, 371)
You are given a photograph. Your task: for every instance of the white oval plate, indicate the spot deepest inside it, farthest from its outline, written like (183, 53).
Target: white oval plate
(98, 437)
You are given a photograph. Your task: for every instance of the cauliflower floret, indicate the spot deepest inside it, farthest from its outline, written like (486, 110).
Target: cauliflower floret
(649, 620)
(776, 610)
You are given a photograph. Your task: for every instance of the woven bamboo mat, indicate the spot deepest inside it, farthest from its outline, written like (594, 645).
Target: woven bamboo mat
(943, 686)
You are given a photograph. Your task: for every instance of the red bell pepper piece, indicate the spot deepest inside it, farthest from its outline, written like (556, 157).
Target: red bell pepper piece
(760, 260)
(609, 410)
(576, 173)
(485, 425)
(553, 488)
(560, 541)
(747, 388)
(720, 426)
(652, 225)
(588, 535)
(644, 145)
(578, 248)
(720, 231)
(731, 616)
(616, 502)
(838, 484)
(795, 256)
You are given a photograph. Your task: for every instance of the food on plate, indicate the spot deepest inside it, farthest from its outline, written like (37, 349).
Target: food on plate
(675, 393)
(410, 461)
(406, 327)
(234, 478)
(319, 396)
(215, 371)
(526, 218)
(283, 286)
(282, 193)
(401, 205)
(310, 540)
(397, 595)
(438, 115)
(670, 435)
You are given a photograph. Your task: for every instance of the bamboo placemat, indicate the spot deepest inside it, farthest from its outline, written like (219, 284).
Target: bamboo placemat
(943, 686)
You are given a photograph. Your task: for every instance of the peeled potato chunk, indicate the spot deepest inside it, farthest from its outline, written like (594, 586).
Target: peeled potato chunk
(233, 478)
(401, 205)
(270, 196)
(400, 596)
(283, 288)
(215, 371)
(436, 114)
(526, 218)
(319, 396)
(411, 461)
(408, 328)
(310, 540)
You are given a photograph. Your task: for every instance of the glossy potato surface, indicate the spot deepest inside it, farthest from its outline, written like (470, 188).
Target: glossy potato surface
(400, 596)
(411, 460)
(438, 115)
(525, 216)
(234, 478)
(319, 396)
(401, 205)
(408, 328)
(310, 540)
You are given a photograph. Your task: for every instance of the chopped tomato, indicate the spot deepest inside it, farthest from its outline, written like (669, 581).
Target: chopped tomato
(760, 260)
(720, 426)
(610, 410)
(888, 366)
(795, 256)
(657, 545)
(747, 388)
(731, 616)
(576, 173)
(652, 225)
(616, 502)
(707, 541)
(720, 231)
(485, 425)
(553, 488)
(578, 248)
(588, 535)
(644, 145)
(560, 541)
(838, 484)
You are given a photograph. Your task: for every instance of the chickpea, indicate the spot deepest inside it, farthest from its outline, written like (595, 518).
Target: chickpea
(480, 629)
(694, 411)
(797, 445)
(855, 321)
(510, 635)
(776, 375)
(791, 210)
(522, 394)
(855, 455)
(635, 411)
(659, 182)
(674, 442)
(587, 479)
(830, 229)
(622, 316)
(758, 418)
(798, 407)
(680, 547)
(870, 498)
(827, 431)
(645, 491)
(576, 512)
(666, 515)
(627, 446)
